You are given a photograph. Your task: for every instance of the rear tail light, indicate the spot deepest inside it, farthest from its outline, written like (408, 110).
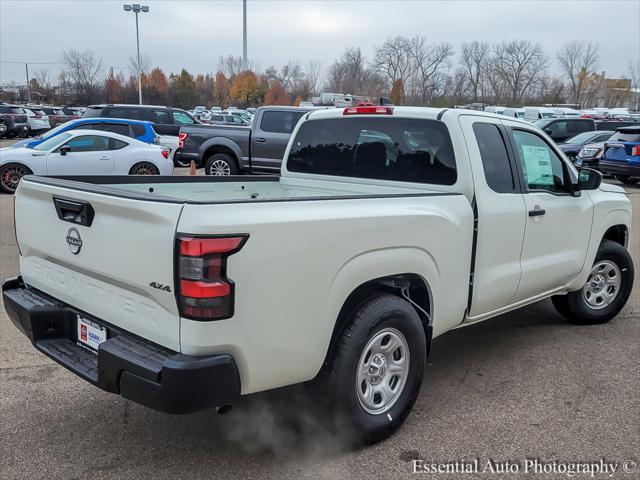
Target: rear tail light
(204, 292)
(368, 110)
(181, 138)
(165, 153)
(635, 151)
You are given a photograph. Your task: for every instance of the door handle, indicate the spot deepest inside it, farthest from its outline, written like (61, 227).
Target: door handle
(260, 139)
(105, 157)
(537, 211)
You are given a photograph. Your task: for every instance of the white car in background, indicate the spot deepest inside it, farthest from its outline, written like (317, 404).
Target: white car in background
(83, 152)
(37, 119)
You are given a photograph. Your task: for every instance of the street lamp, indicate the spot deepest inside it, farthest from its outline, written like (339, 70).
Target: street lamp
(137, 8)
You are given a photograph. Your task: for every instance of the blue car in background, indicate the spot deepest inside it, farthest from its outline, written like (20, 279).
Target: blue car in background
(621, 155)
(138, 129)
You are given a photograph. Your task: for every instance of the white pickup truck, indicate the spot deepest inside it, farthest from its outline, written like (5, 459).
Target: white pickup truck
(388, 227)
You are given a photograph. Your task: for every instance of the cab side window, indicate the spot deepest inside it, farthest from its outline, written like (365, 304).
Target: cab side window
(541, 167)
(88, 143)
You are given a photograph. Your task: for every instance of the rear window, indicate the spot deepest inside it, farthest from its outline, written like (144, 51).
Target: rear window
(628, 136)
(138, 130)
(13, 110)
(92, 112)
(401, 149)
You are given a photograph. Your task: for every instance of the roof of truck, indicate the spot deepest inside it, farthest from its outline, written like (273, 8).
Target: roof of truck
(414, 112)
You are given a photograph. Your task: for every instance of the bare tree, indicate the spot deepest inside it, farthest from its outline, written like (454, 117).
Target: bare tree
(308, 83)
(84, 70)
(578, 61)
(231, 66)
(428, 62)
(348, 74)
(290, 75)
(145, 65)
(393, 60)
(474, 59)
(519, 63)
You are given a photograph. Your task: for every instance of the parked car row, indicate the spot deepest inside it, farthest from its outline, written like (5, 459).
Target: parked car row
(32, 119)
(84, 150)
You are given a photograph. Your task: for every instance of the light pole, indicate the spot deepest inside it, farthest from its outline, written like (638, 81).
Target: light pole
(137, 8)
(244, 34)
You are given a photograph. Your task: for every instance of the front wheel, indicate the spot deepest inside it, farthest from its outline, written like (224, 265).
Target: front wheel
(376, 372)
(144, 168)
(628, 180)
(221, 164)
(607, 289)
(10, 176)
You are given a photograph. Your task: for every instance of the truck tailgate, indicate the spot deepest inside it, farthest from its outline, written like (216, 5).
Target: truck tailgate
(127, 248)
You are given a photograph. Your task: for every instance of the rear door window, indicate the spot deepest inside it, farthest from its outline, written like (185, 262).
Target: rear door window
(495, 160)
(401, 149)
(159, 116)
(124, 112)
(279, 122)
(138, 130)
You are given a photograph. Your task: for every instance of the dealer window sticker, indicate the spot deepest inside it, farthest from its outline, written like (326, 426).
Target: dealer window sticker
(537, 165)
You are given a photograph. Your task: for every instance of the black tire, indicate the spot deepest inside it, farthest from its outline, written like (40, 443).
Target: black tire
(10, 175)
(628, 180)
(380, 314)
(574, 306)
(144, 168)
(221, 164)
(181, 163)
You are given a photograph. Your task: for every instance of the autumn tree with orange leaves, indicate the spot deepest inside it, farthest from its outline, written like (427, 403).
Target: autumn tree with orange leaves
(245, 88)
(276, 95)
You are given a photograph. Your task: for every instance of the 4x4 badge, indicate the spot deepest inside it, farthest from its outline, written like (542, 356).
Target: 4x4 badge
(159, 286)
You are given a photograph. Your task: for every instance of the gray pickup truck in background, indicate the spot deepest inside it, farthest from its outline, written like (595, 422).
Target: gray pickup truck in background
(230, 150)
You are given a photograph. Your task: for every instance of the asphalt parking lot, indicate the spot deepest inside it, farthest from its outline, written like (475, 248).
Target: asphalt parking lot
(524, 385)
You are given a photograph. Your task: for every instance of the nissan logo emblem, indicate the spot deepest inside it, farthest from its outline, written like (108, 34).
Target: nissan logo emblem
(74, 241)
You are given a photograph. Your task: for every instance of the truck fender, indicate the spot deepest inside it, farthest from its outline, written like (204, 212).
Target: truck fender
(372, 265)
(226, 143)
(599, 229)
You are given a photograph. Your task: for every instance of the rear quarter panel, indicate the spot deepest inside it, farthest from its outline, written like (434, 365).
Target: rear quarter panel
(304, 258)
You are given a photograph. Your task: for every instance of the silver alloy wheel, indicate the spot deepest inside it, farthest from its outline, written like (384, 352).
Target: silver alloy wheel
(219, 167)
(603, 285)
(11, 177)
(382, 371)
(144, 169)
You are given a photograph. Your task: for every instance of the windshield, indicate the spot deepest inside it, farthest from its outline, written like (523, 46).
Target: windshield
(548, 115)
(580, 138)
(54, 131)
(52, 142)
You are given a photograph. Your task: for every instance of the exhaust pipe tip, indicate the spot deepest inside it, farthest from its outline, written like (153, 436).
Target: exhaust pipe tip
(224, 409)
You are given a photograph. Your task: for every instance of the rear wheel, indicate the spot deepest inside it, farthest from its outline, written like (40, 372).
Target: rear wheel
(376, 372)
(144, 168)
(221, 164)
(607, 289)
(10, 175)
(628, 180)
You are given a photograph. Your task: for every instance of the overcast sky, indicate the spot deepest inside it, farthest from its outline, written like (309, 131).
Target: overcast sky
(194, 33)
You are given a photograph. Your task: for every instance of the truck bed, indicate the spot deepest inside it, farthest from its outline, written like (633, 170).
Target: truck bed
(199, 190)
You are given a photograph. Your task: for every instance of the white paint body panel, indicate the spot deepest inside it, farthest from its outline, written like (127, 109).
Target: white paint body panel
(304, 257)
(108, 162)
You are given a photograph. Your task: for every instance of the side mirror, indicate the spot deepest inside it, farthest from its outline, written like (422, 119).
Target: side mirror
(64, 149)
(589, 179)
(548, 131)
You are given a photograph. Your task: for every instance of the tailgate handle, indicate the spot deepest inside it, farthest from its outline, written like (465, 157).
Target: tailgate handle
(73, 211)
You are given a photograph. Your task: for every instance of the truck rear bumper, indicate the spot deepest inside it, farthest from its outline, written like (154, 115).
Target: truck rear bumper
(620, 168)
(140, 371)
